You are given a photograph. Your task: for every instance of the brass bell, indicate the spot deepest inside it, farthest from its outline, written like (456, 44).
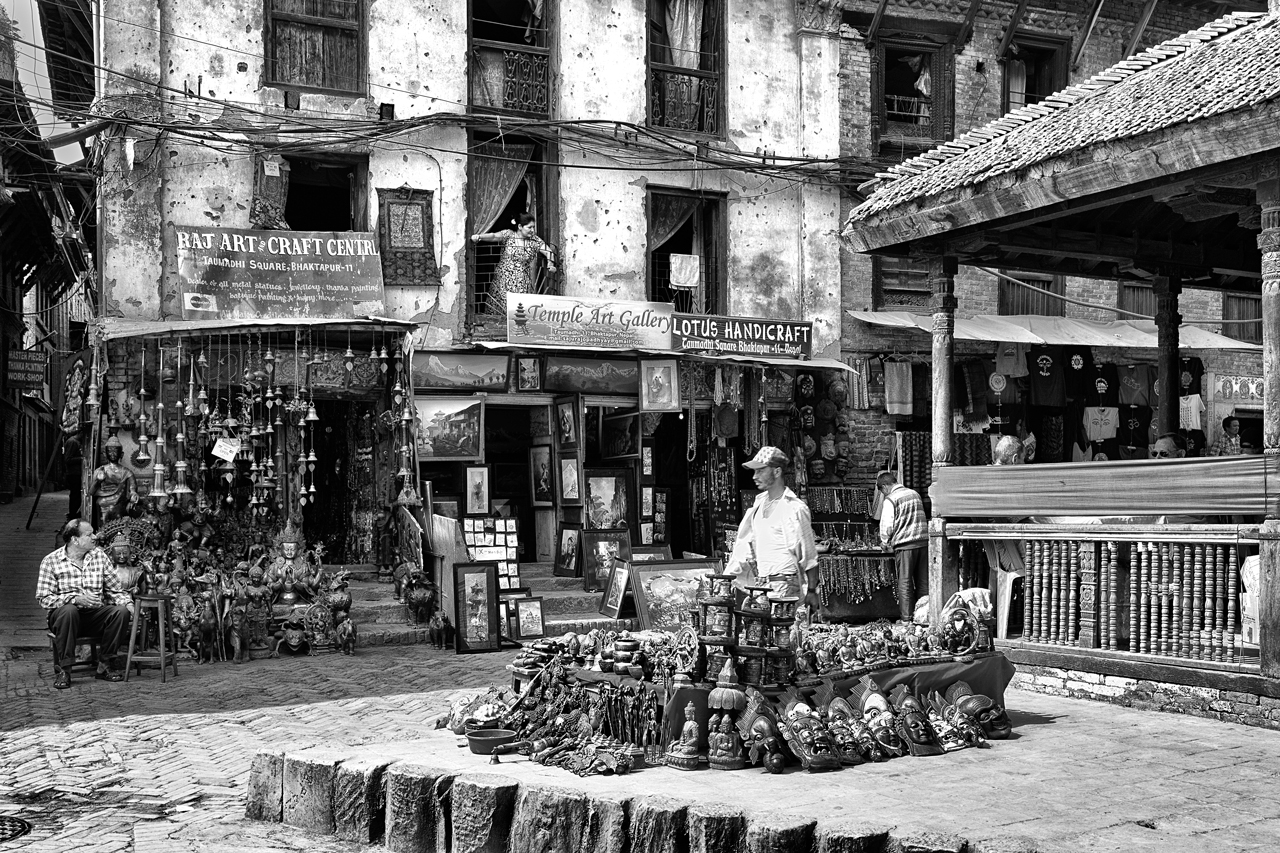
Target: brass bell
(311, 413)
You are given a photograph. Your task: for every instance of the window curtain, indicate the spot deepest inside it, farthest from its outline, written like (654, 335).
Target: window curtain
(497, 172)
(1016, 73)
(667, 214)
(684, 32)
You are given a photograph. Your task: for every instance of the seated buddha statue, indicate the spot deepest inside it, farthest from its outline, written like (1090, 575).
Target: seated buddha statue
(683, 754)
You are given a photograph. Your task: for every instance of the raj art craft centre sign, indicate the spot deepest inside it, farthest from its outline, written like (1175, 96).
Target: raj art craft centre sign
(565, 321)
(233, 273)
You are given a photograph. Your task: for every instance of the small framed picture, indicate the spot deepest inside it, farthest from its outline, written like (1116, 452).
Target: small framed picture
(615, 590)
(529, 622)
(646, 501)
(568, 422)
(541, 476)
(475, 605)
(568, 551)
(570, 480)
(646, 532)
(609, 498)
(446, 505)
(659, 385)
(646, 461)
(599, 549)
(477, 495)
(526, 373)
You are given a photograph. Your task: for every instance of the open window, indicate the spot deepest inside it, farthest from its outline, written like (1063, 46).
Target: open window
(687, 246)
(912, 101)
(686, 50)
(316, 44)
(1035, 68)
(508, 176)
(1014, 299)
(310, 194)
(509, 55)
(900, 284)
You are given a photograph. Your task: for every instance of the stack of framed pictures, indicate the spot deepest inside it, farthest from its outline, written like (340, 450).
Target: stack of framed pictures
(495, 540)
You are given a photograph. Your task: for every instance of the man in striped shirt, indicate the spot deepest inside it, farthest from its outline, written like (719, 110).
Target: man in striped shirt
(79, 589)
(904, 528)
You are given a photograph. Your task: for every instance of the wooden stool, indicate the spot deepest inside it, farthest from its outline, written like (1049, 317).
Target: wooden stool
(90, 664)
(162, 658)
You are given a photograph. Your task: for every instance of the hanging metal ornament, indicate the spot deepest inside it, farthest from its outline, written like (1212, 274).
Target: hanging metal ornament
(312, 417)
(349, 357)
(385, 360)
(397, 392)
(180, 487)
(157, 483)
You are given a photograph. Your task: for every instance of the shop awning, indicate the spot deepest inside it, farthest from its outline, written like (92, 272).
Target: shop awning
(119, 327)
(1063, 331)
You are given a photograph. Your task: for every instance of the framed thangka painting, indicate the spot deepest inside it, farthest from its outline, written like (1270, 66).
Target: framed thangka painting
(666, 591)
(450, 429)
(475, 604)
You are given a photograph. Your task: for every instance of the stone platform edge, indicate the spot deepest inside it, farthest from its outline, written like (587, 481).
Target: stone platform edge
(418, 805)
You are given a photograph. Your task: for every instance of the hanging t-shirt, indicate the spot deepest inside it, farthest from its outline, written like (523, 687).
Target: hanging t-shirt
(1196, 442)
(1100, 422)
(1190, 410)
(1011, 359)
(1081, 453)
(1190, 376)
(1001, 389)
(1132, 425)
(1135, 384)
(1106, 387)
(1078, 365)
(1048, 376)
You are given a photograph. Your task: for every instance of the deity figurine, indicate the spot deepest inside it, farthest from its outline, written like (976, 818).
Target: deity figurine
(991, 717)
(724, 749)
(257, 605)
(807, 735)
(683, 754)
(292, 577)
(112, 485)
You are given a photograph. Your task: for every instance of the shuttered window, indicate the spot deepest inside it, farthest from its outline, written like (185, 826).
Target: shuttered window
(1016, 300)
(317, 44)
(1242, 306)
(900, 284)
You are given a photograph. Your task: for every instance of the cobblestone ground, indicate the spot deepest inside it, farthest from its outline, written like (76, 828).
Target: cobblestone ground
(146, 766)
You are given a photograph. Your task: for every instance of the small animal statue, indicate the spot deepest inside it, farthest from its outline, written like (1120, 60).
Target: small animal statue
(293, 636)
(346, 635)
(440, 631)
(207, 633)
(238, 635)
(419, 598)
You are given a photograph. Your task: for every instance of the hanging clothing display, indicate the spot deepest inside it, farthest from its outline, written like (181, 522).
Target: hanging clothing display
(1100, 422)
(1078, 365)
(1105, 390)
(1048, 376)
(897, 388)
(1011, 359)
(1191, 412)
(1135, 384)
(1133, 425)
(1191, 376)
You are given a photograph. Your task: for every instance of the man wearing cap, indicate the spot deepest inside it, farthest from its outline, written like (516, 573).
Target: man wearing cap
(904, 528)
(775, 538)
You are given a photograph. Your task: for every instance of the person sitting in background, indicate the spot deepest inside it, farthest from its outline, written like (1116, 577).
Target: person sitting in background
(1228, 444)
(1008, 451)
(1169, 445)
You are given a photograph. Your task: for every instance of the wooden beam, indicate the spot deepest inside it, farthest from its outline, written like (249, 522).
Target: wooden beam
(1101, 248)
(1094, 14)
(1018, 12)
(1141, 27)
(966, 29)
(875, 22)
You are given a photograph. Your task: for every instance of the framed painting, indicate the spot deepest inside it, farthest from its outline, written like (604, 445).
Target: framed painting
(592, 375)
(615, 590)
(666, 590)
(476, 497)
(460, 371)
(475, 608)
(529, 621)
(447, 505)
(568, 551)
(570, 480)
(450, 429)
(646, 462)
(646, 532)
(620, 436)
(650, 552)
(567, 426)
(599, 549)
(526, 373)
(659, 385)
(541, 476)
(646, 501)
(609, 499)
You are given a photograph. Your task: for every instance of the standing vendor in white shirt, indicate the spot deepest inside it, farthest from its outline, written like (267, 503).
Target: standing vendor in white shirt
(775, 546)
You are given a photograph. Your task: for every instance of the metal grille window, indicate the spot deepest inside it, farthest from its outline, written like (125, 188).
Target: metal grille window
(317, 44)
(509, 54)
(687, 247)
(1242, 306)
(686, 45)
(901, 284)
(1015, 299)
(1138, 298)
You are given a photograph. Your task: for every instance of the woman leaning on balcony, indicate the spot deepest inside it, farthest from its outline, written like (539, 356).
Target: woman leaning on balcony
(515, 270)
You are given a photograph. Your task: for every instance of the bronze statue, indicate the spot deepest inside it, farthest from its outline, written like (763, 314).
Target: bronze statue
(683, 754)
(112, 485)
(294, 574)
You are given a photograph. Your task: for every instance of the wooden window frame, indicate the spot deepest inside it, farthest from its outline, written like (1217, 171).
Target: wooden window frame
(1252, 332)
(721, 49)
(1056, 284)
(717, 290)
(879, 288)
(1125, 300)
(942, 95)
(1061, 63)
(361, 28)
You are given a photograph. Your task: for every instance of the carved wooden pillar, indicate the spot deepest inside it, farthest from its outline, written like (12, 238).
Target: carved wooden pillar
(1089, 628)
(1168, 320)
(1269, 594)
(942, 274)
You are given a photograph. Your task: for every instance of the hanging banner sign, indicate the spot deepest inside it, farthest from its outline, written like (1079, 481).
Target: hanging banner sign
(234, 273)
(25, 370)
(572, 321)
(742, 335)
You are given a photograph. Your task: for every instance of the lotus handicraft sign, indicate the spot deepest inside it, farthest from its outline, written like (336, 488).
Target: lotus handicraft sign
(233, 273)
(570, 321)
(742, 335)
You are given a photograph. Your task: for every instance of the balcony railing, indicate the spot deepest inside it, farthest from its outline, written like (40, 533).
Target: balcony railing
(509, 78)
(485, 274)
(908, 118)
(684, 99)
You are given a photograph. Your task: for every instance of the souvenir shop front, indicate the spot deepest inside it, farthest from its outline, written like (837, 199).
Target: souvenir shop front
(237, 427)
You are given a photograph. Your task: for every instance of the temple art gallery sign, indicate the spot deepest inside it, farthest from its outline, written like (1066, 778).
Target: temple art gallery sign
(741, 335)
(573, 321)
(233, 273)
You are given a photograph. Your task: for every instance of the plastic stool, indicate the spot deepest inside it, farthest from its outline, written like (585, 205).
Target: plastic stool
(161, 658)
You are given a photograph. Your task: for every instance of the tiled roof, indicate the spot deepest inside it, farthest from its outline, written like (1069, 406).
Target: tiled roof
(1229, 64)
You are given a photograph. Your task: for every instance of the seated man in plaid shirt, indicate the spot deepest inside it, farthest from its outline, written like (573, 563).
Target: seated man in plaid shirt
(81, 591)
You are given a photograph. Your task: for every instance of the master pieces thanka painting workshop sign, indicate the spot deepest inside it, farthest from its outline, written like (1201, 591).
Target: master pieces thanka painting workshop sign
(240, 274)
(574, 321)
